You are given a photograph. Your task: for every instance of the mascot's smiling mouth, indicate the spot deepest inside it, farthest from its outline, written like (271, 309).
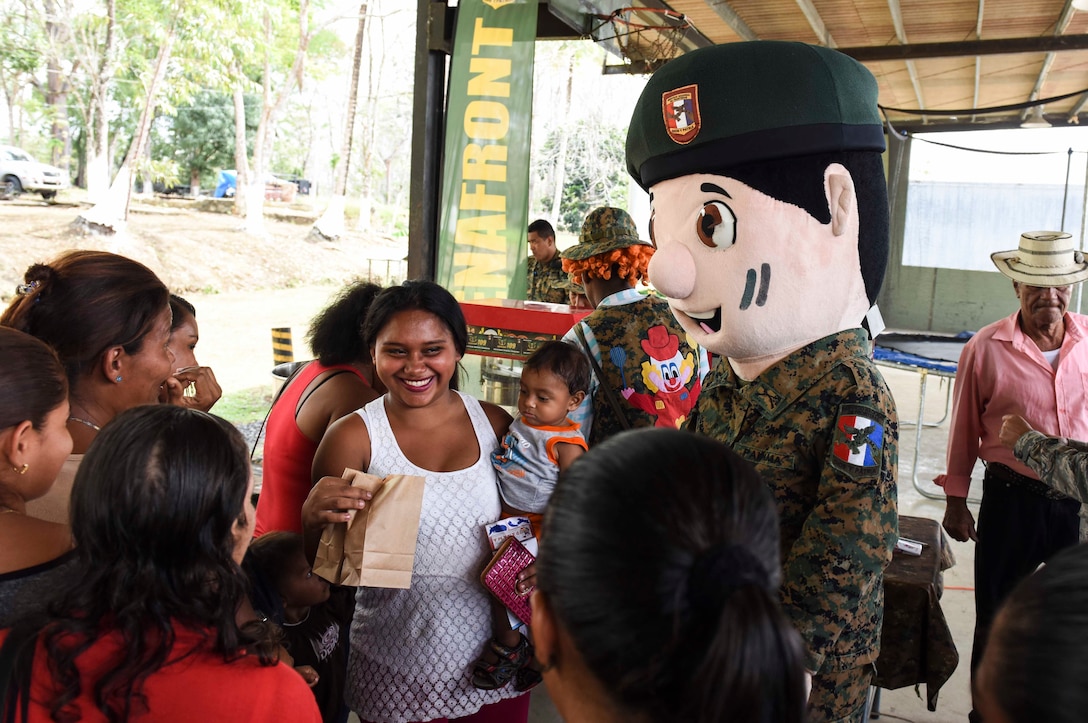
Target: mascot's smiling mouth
(709, 321)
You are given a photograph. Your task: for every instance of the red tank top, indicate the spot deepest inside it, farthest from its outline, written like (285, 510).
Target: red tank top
(288, 456)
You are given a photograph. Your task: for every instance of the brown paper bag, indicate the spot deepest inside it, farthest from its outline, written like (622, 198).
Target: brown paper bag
(378, 546)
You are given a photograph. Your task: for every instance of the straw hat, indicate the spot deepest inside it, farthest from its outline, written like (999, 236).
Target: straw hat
(1045, 258)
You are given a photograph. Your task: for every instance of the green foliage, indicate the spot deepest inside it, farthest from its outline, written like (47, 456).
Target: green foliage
(200, 138)
(245, 405)
(595, 171)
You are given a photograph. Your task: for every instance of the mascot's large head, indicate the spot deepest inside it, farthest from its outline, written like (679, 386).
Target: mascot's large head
(769, 204)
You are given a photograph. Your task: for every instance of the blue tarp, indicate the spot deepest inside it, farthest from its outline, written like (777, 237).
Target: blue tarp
(227, 180)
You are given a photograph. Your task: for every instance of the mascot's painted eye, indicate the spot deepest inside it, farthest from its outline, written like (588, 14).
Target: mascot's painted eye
(653, 241)
(717, 226)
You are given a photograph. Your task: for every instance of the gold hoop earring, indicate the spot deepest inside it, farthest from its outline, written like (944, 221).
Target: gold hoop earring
(21, 470)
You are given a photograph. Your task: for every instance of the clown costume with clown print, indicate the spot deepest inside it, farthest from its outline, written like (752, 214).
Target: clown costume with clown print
(666, 375)
(769, 214)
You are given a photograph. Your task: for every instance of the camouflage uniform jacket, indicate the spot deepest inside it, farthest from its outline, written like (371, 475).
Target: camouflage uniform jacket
(1062, 464)
(616, 332)
(821, 428)
(544, 280)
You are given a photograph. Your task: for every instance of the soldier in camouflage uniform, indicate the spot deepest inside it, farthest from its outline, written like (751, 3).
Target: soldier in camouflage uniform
(608, 260)
(770, 217)
(1062, 464)
(546, 273)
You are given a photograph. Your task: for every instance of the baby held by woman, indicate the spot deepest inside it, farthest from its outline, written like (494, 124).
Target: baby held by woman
(542, 442)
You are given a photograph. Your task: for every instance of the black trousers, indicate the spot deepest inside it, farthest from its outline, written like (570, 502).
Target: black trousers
(1017, 530)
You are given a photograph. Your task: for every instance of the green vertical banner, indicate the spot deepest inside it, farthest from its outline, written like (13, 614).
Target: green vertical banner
(485, 177)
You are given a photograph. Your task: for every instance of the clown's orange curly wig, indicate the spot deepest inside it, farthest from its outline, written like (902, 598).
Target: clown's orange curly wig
(631, 263)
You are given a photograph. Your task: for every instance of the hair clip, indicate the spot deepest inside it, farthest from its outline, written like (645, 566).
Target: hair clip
(24, 289)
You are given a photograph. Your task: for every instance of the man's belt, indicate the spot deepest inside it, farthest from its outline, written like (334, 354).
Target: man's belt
(1004, 473)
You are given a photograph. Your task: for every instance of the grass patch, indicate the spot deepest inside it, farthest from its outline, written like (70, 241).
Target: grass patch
(245, 405)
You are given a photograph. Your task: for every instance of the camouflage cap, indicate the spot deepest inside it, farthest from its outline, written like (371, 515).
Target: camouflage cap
(605, 229)
(726, 105)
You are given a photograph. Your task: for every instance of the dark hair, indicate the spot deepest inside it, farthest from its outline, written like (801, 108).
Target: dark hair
(542, 228)
(564, 360)
(422, 295)
(336, 333)
(32, 381)
(800, 181)
(85, 302)
(154, 505)
(1035, 659)
(660, 559)
(271, 552)
(179, 310)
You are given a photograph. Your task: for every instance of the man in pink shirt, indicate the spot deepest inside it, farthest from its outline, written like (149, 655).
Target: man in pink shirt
(1032, 363)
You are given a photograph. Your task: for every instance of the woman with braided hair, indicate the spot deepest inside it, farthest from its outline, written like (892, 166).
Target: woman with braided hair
(657, 588)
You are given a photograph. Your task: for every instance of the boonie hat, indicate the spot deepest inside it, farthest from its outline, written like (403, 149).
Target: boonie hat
(726, 105)
(1045, 258)
(605, 229)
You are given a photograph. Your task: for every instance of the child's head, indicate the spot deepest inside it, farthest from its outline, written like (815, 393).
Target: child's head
(554, 381)
(280, 558)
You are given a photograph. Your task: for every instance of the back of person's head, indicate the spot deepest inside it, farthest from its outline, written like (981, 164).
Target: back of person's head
(660, 559)
(564, 360)
(415, 295)
(1036, 661)
(268, 563)
(541, 227)
(158, 513)
(85, 302)
(180, 310)
(336, 333)
(32, 380)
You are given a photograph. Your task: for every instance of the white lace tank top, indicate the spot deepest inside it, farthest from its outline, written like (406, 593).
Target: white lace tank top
(412, 650)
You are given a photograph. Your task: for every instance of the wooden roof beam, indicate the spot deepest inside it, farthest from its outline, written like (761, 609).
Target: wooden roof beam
(901, 35)
(1005, 46)
(726, 12)
(823, 35)
(1048, 62)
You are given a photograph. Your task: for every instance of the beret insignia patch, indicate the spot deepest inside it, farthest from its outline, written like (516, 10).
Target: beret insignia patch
(680, 109)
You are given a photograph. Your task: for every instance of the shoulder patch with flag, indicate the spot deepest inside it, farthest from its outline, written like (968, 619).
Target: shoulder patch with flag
(858, 446)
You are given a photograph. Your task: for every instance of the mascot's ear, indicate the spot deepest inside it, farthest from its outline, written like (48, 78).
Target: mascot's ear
(842, 201)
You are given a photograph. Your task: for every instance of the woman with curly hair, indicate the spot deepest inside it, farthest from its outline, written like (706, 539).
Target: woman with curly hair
(645, 372)
(337, 383)
(145, 627)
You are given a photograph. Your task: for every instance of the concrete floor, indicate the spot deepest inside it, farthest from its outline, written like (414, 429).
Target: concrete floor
(958, 601)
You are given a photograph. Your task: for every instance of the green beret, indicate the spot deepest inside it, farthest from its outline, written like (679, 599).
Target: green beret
(605, 229)
(727, 105)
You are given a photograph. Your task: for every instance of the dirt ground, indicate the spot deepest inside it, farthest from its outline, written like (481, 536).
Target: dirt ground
(193, 250)
(242, 286)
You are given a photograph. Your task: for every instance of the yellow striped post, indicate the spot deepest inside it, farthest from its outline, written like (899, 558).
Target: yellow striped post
(282, 350)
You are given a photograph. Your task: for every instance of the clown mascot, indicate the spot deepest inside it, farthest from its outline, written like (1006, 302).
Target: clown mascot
(769, 212)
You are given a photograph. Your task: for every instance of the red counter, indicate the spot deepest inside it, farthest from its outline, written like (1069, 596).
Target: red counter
(513, 329)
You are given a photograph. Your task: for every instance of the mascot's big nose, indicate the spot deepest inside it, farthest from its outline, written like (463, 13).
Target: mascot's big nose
(672, 271)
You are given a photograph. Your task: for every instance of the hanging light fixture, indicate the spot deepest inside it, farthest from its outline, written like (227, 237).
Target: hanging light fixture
(1081, 5)
(1035, 117)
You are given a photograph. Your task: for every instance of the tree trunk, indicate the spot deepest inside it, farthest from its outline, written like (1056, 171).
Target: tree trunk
(269, 111)
(109, 215)
(561, 154)
(98, 123)
(241, 161)
(56, 85)
(331, 224)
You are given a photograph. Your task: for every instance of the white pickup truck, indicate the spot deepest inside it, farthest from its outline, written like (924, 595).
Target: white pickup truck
(20, 172)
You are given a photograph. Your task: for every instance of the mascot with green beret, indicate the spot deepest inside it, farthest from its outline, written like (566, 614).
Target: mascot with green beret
(770, 218)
